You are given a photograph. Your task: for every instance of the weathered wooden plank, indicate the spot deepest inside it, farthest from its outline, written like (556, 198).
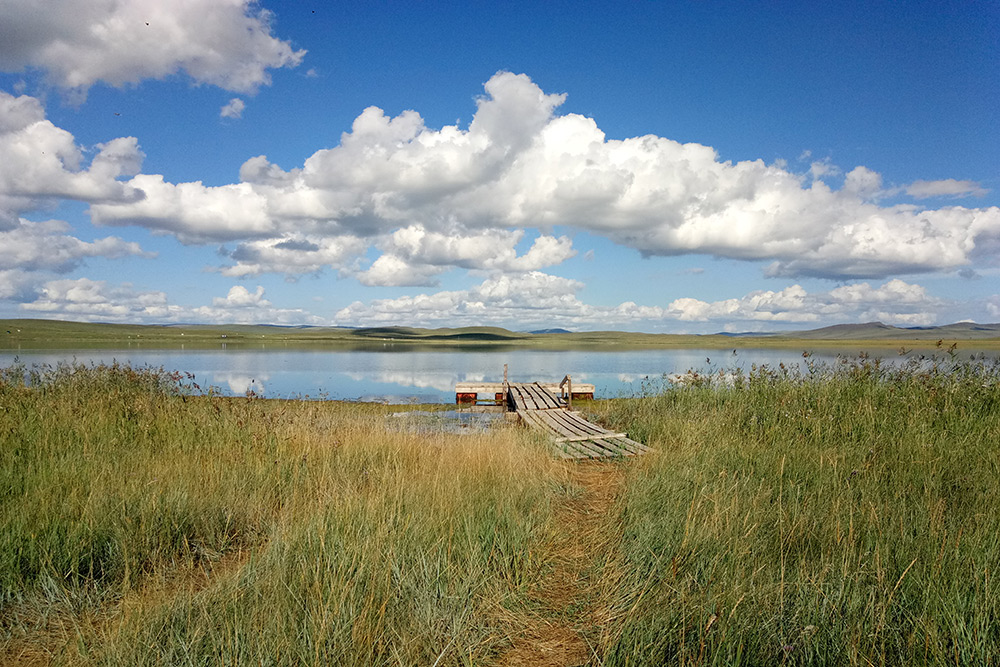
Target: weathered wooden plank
(582, 438)
(556, 424)
(625, 445)
(573, 451)
(542, 399)
(574, 428)
(546, 398)
(637, 446)
(589, 450)
(572, 436)
(587, 444)
(574, 425)
(593, 446)
(543, 419)
(580, 390)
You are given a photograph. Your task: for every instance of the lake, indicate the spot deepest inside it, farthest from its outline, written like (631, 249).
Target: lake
(404, 374)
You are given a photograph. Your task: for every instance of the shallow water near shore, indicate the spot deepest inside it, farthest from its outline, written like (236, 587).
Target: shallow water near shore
(460, 422)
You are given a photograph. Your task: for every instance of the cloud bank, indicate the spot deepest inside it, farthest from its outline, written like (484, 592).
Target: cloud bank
(537, 300)
(432, 199)
(397, 203)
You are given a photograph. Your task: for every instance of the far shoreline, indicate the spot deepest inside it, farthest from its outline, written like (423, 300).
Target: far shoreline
(32, 334)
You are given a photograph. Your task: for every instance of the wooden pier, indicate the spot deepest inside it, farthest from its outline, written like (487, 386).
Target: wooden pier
(547, 407)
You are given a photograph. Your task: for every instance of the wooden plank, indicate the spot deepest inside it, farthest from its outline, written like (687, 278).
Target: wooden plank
(637, 446)
(572, 431)
(571, 435)
(624, 444)
(591, 451)
(494, 387)
(616, 441)
(621, 445)
(538, 397)
(582, 438)
(575, 426)
(555, 424)
(573, 451)
(543, 420)
(607, 449)
(547, 420)
(548, 399)
(533, 397)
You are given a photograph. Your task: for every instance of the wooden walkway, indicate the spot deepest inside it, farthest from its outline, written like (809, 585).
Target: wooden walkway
(573, 437)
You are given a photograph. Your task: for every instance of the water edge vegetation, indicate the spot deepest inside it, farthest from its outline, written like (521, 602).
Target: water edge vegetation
(836, 515)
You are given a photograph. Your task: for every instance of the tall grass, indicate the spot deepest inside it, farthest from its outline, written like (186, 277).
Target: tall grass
(845, 515)
(204, 530)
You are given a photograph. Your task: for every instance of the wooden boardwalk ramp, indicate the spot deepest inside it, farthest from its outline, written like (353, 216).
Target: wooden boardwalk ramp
(573, 437)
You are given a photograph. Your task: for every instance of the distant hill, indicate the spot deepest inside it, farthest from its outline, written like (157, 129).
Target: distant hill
(27, 333)
(880, 331)
(744, 334)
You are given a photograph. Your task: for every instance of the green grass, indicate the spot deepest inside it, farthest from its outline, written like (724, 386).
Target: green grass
(842, 516)
(838, 516)
(331, 537)
(42, 334)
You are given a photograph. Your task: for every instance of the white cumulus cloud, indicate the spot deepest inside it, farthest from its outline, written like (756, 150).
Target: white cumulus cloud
(293, 254)
(233, 109)
(77, 43)
(46, 246)
(97, 300)
(537, 299)
(87, 300)
(414, 255)
(42, 163)
(948, 187)
(430, 199)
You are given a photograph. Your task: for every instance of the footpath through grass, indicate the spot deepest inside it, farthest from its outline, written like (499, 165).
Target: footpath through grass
(839, 516)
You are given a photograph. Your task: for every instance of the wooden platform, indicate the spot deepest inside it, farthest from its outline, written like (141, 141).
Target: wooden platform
(470, 392)
(573, 437)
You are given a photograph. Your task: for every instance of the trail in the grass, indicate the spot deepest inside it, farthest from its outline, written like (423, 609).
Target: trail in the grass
(566, 622)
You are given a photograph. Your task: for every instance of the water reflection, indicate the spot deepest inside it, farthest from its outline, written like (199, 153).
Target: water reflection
(428, 375)
(241, 384)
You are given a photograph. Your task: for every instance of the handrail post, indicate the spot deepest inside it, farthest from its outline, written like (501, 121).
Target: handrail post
(568, 382)
(506, 389)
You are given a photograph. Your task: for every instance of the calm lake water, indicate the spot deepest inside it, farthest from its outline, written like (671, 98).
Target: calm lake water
(406, 375)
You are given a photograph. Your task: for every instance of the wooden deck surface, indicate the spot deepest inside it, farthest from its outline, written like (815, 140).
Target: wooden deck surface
(573, 437)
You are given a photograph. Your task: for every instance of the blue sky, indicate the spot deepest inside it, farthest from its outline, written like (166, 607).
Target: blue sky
(666, 167)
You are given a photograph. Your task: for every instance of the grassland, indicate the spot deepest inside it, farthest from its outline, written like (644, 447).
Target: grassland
(838, 516)
(834, 517)
(33, 334)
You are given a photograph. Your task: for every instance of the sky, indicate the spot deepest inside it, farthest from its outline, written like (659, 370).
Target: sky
(664, 167)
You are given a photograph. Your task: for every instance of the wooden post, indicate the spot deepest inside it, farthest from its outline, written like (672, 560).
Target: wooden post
(506, 389)
(567, 383)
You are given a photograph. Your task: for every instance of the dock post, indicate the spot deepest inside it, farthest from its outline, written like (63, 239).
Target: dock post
(567, 391)
(506, 388)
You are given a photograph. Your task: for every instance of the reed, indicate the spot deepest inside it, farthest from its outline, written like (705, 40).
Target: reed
(159, 527)
(841, 515)
(834, 515)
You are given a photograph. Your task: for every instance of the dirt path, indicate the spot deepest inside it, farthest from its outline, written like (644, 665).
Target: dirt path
(566, 619)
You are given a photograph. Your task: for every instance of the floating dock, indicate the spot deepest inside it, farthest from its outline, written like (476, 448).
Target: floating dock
(547, 407)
